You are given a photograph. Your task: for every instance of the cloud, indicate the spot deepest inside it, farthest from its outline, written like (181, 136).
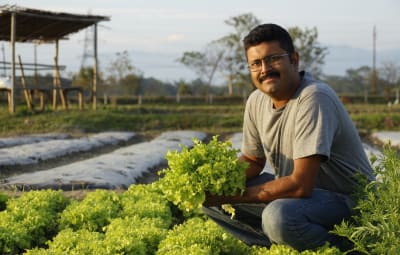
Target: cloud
(175, 37)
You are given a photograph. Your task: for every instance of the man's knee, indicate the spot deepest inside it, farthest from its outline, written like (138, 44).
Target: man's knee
(278, 222)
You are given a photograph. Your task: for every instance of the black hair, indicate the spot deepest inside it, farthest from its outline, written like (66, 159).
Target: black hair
(267, 33)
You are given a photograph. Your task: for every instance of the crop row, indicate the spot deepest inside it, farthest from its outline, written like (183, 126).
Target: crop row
(141, 220)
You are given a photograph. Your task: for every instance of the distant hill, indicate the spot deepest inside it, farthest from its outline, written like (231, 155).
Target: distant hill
(341, 58)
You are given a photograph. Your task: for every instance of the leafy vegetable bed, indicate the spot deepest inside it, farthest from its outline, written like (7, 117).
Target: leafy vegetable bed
(153, 219)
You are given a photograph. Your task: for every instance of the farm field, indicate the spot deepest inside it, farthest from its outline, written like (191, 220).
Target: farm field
(122, 198)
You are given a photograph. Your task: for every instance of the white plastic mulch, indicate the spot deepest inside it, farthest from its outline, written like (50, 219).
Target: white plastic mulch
(388, 136)
(44, 147)
(27, 139)
(119, 168)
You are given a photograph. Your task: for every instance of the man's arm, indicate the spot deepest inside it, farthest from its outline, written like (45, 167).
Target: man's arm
(299, 184)
(256, 165)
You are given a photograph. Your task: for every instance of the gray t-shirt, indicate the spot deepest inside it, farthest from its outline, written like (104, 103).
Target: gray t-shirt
(314, 122)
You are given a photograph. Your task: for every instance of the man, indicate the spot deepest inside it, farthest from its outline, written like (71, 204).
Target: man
(300, 126)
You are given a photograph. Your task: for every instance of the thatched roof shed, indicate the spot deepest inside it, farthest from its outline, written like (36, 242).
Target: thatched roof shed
(19, 24)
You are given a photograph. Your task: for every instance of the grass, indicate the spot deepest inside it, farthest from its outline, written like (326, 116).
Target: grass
(161, 117)
(149, 118)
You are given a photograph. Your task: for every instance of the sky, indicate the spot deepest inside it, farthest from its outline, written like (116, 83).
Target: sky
(157, 32)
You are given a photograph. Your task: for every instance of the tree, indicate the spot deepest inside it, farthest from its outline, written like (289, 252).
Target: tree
(227, 56)
(312, 55)
(360, 77)
(205, 63)
(130, 84)
(119, 67)
(224, 54)
(183, 88)
(355, 81)
(390, 74)
(234, 65)
(84, 78)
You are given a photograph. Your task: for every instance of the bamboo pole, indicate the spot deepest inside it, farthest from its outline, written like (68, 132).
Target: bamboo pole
(11, 106)
(54, 78)
(28, 97)
(95, 65)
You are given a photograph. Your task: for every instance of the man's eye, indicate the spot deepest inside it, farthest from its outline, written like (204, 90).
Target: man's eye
(256, 63)
(274, 58)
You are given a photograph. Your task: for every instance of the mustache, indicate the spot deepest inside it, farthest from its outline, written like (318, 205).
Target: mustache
(268, 75)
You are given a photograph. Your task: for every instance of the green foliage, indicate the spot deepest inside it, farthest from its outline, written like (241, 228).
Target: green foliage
(30, 220)
(206, 168)
(83, 78)
(3, 201)
(94, 212)
(197, 237)
(139, 221)
(312, 55)
(146, 201)
(119, 67)
(282, 249)
(377, 121)
(126, 236)
(69, 242)
(376, 227)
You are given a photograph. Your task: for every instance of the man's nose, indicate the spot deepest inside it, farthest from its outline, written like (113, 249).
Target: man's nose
(265, 66)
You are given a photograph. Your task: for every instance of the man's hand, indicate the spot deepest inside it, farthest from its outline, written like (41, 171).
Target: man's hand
(216, 200)
(213, 200)
(299, 184)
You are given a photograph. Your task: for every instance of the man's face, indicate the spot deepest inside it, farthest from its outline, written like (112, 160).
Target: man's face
(279, 77)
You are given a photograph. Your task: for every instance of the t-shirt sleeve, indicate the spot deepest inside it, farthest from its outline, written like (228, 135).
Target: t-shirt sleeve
(251, 144)
(316, 125)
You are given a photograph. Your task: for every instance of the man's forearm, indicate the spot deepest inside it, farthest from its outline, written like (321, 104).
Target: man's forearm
(256, 165)
(284, 187)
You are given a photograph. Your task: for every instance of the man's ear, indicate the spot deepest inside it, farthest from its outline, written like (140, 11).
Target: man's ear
(295, 58)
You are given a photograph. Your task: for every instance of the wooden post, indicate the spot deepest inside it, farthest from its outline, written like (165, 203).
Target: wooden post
(54, 77)
(28, 96)
(230, 89)
(105, 99)
(80, 100)
(59, 85)
(11, 106)
(94, 87)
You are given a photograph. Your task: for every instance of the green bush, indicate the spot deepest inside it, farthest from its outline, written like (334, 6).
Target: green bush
(124, 236)
(285, 250)
(3, 201)
(197, 236)
(93, 213)
(375, 229)
(30, 220)
(146, 201)
(107, 223)
(70, 242)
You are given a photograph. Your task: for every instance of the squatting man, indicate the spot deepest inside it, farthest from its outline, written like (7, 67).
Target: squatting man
(299, 125)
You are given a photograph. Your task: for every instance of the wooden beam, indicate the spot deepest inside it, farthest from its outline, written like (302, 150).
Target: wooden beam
(94, 87)
(55, 82)
(11, 106)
